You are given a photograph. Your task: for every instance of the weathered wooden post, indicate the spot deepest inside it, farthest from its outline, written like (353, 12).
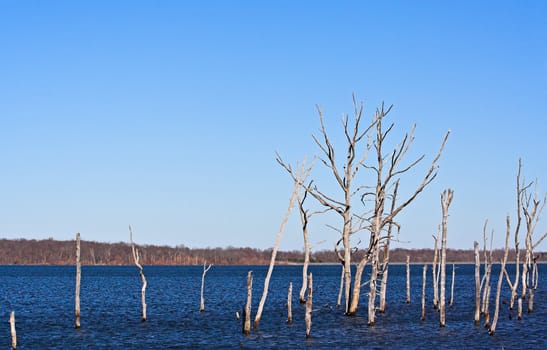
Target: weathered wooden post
(143, 279)
(202, 300)
(309, 306)
(477, 316)
(424, 276)
(78, 278)
(289, 304)
(446, 199)
(13, 332)
(408, 279)
(247, 310)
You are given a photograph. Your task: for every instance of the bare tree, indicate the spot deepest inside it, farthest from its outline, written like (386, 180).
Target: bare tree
(386, 173)
(492, 329)
(135, 252)
(435, 276)
(446, 199)
(301, 178)
(344, 176)
(78, 278)
(202, 300)
(385, 263)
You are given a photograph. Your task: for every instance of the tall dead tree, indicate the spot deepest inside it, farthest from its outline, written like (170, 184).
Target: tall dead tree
(408, 279)
(446, 199)
(303, 173)
(78, 278)
(135, 252)
(344, 174)
(424, 276)
(387, 169)
(485, 308)
(492, 328)
(202, 299)
(434, 269)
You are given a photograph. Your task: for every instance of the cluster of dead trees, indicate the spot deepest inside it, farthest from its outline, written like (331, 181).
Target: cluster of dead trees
(528, 213)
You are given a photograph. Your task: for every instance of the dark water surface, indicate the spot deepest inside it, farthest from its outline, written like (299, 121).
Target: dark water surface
(43, 300)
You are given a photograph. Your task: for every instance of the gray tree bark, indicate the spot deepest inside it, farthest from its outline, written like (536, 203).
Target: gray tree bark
(247, 310)
(202, 299)
(13, 332)
(135, 252)
(309, 304)
(492, 329)
(78, 279)
(477, 283)
(408, 279)
(446, 199)
(424, 276)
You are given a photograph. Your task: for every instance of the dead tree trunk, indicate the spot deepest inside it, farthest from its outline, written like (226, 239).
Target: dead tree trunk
(477, 283)
(202, 300)
(78, 278)
(452, 285)
(424, 276)
(135, 252)
(247, 311)
(408, 279)
(385, 264)
(434, 274)
(519, 312)
(13, 332)
(303, 174)
(309, 306)
(341, 290)
(304, 218)
(492, 329)
(446, 199)
(289, 304)
(487, 274)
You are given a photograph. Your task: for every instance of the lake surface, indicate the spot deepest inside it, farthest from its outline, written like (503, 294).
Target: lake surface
(43, 300)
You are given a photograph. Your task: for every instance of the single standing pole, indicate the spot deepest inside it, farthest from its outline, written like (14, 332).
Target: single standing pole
(408, 279)
(309, 306)
(202, 300)
(477, 317)
(519, 316)
(78, 278)
(143, 279)
(435, 278)
(500, 279)
(13, 333)
(247, 311)
(446, 199)
(289, 304)
(452, 285)
(339, 301)
(423, 291)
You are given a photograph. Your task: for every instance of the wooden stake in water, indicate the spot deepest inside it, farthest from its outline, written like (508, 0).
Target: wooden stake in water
(13, 333)
(202, 300)
(78, 278)
(289, 304)
(423, 291)
(247, 310)
(408, 279)
(309, 306)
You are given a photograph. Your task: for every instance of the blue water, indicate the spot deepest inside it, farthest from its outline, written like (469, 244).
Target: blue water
(43, 300)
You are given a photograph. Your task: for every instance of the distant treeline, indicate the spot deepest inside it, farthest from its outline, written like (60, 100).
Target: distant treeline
(53, 252)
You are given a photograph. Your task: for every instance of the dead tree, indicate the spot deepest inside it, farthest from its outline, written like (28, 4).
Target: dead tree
(408, 279)
(135, 252)
(385, 263)
(446, 199)
(289, 304)
(309, 304)
(301, 177)
(492, 329)
(344, 175)
(435, 276)
(387, 169)
(78, 278)
(477, 283)
(12, 329)
(485, 308)
(247, 310)
(202, 300)
(424, 276)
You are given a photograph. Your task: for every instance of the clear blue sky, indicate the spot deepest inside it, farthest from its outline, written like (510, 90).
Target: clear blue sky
(167, 114)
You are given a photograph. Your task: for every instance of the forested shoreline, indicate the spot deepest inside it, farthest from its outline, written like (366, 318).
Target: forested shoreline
(55, 252)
